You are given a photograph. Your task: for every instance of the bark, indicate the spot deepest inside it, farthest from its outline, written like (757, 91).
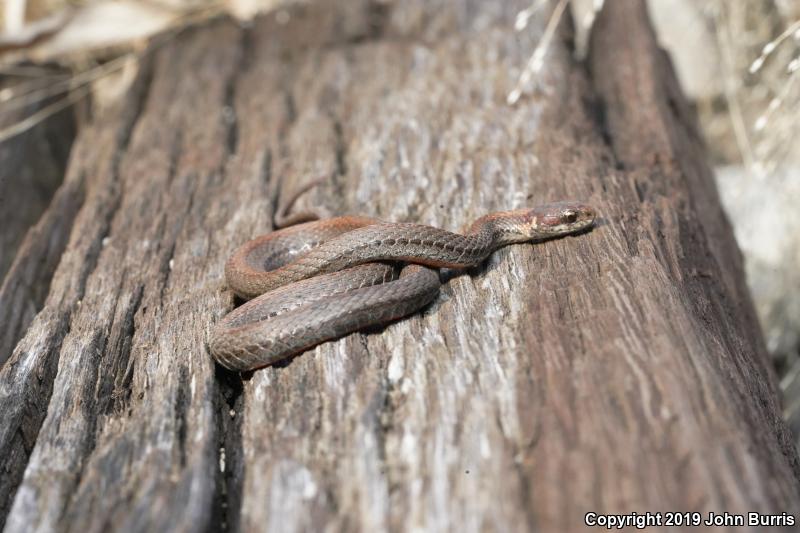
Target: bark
(617, 371)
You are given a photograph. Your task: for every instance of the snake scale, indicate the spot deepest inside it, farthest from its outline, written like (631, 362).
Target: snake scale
(324, 279)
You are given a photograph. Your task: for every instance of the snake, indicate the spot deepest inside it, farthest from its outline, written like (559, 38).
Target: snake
(320, 280)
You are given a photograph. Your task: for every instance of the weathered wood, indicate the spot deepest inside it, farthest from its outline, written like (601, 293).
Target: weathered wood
(617, 371)
(32, 167)
(27, 379)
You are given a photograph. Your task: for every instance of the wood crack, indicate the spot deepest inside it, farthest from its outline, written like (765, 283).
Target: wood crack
(231, 471)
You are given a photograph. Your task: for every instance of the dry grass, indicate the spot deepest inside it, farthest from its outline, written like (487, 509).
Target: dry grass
(99, 41)
(759, 44)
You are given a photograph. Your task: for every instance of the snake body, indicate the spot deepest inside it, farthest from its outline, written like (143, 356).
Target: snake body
(321, 280)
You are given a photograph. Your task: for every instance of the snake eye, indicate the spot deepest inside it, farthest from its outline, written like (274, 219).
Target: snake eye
(571, 216)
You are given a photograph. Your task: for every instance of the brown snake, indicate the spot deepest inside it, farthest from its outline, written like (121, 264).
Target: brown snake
(321, 280)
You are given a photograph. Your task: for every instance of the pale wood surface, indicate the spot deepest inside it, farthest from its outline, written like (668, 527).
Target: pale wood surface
(616, 371)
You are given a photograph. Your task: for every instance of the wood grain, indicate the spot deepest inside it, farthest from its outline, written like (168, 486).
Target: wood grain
(616, 371)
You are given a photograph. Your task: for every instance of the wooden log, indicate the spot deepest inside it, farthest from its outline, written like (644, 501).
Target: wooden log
(616, 371)
(32, 166)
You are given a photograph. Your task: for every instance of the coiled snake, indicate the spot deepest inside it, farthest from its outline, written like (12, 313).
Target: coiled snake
(321, 280)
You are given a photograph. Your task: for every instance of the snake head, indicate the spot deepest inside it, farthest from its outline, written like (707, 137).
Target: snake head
(561, 218)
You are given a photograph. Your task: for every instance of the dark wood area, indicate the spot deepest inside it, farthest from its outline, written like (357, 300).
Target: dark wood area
(32, 166)
(616, 371)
